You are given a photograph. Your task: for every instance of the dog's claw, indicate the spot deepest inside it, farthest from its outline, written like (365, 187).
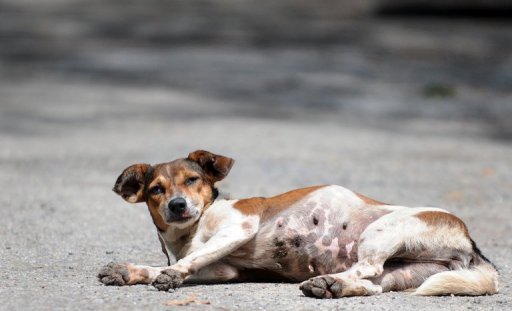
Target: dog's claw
(168, 280)
(114, 274)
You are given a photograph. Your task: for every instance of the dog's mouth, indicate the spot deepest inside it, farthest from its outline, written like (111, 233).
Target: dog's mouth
(186, 215)
(183, 217)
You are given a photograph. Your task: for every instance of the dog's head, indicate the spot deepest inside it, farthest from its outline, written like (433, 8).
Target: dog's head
(176, 192)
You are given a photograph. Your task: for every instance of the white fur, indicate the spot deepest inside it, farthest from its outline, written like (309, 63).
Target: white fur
(211, 244)
(479, 280)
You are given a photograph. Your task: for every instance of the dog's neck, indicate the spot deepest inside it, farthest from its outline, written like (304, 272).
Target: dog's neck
(177, 240)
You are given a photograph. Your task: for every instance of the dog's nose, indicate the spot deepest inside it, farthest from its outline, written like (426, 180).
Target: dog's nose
(178, 206)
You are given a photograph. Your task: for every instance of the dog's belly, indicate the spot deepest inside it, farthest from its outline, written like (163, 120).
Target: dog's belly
(317, 236)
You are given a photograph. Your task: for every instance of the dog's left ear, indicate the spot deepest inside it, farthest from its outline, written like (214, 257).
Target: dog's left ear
(215, 166)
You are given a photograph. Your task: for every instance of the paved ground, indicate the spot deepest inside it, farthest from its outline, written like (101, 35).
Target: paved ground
(402, 111)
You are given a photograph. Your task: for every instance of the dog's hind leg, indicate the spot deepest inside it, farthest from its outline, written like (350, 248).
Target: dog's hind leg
(399, 276)
(400, 234)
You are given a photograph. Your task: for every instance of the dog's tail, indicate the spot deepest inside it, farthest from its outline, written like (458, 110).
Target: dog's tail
(480, 278)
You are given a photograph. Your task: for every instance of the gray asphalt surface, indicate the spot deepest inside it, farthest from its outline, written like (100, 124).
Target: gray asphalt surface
(423, 121)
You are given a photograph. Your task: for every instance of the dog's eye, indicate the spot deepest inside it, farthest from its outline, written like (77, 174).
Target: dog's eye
(156, 190)
(191, 180)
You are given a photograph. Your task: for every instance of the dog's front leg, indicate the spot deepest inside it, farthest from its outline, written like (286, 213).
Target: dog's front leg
(217, 272)
(223, 242)
(120, 274)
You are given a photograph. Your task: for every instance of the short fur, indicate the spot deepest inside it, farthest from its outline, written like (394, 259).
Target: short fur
(336, 242)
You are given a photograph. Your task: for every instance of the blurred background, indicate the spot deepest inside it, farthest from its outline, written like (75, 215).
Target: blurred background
(446, 65)
(406, 101)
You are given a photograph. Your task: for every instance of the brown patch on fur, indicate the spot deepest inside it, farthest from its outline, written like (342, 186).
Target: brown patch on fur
(269, 207)
(158, 219)
(368, 200)
(215, 166)
(436, 218)
(154, 202)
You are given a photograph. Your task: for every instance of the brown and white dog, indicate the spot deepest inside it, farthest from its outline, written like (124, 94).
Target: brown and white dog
(336, 242)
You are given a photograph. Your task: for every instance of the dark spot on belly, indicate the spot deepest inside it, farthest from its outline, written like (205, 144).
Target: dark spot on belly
(317, 220)
(280, 250)
(278, 243)
(296, 241)
(280, 253)
(379, 230)
(345, 226)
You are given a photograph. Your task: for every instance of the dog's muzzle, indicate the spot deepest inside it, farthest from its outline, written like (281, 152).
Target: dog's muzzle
(178, 209)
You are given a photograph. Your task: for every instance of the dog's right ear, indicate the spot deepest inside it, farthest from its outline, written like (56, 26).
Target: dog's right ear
(130, 184)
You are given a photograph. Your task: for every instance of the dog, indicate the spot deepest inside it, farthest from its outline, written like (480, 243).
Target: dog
(338, 243)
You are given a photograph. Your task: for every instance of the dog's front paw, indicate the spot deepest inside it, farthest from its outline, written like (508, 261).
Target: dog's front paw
(114, 274)
(167, 280)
